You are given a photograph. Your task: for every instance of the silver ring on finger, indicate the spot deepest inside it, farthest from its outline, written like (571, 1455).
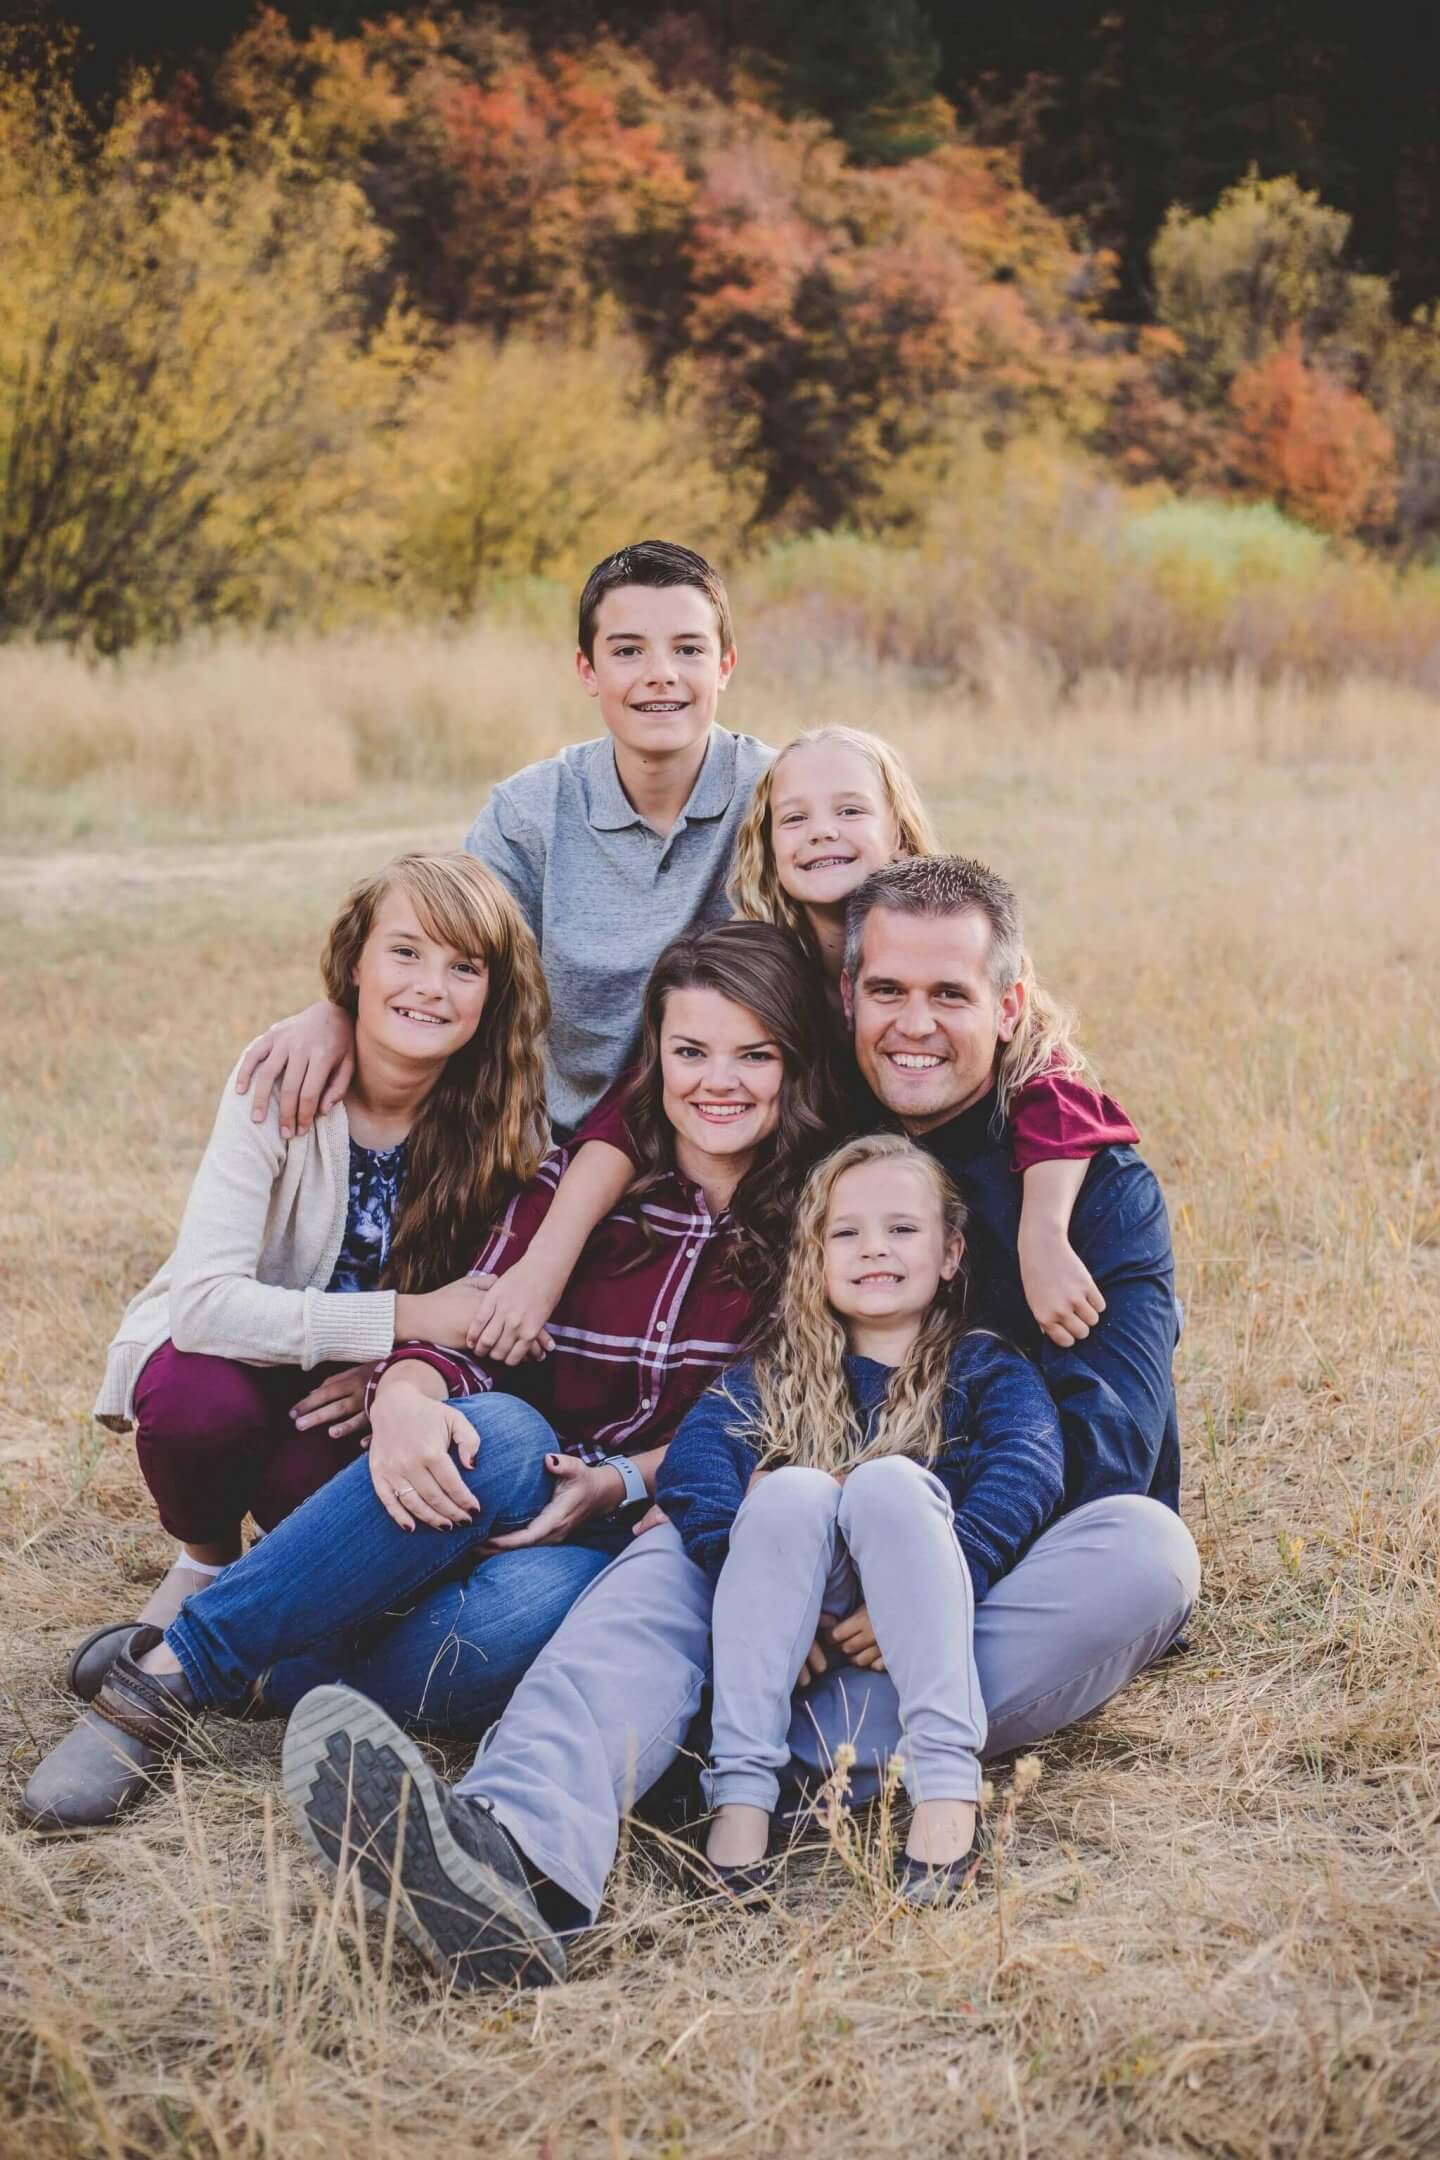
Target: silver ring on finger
(400, 1491)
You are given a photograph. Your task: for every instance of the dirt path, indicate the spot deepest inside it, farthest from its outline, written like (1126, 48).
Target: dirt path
(43, 887)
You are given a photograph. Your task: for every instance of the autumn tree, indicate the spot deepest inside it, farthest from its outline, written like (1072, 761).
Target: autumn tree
(849, 314)
(566, 191)
(1306, 443)
(1267, 263)
(1405, 386)
(528, 458)
(192, 422)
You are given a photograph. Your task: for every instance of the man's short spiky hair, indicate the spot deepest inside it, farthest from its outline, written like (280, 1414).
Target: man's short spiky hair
(653, 562)
(943, 885)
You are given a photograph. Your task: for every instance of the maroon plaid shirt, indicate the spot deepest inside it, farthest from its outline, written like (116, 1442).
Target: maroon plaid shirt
(642, 1328)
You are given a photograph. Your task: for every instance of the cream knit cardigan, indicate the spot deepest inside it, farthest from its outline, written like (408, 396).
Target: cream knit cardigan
(258, 1244)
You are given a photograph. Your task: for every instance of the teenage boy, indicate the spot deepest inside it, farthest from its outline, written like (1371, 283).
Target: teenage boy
(612, 848)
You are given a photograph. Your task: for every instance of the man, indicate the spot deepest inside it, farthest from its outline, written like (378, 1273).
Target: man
(490, 1873)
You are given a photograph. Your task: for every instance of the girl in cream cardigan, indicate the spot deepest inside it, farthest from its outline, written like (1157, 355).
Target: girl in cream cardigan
(300, 1262)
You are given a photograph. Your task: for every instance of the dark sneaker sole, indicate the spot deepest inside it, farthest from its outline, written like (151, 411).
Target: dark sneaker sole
(353, 1778)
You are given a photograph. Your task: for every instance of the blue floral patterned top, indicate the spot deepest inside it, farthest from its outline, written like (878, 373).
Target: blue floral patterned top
(375, 1179)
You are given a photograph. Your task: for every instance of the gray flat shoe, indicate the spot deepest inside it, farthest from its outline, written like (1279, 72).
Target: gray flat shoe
(921, 1886)
(85, 1674)
(372, 1809)
(750, 1883)
(109, 1759)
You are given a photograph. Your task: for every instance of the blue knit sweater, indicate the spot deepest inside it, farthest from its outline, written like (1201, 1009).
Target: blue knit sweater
(1003, 1461)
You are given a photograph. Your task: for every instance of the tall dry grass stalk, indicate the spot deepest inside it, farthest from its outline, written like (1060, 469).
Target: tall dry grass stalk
(1221, 1901)
(286, 733)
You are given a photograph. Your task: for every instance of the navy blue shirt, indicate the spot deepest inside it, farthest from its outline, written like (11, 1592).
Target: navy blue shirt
(1116, 1390)
(1002, 1459)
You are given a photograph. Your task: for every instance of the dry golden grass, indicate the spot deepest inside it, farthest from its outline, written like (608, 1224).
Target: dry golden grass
(1219, 1926)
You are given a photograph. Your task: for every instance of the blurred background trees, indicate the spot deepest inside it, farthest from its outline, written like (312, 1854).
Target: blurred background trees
(311, 315)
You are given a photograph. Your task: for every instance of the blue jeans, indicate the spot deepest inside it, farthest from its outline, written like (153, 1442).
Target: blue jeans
(417, 1620)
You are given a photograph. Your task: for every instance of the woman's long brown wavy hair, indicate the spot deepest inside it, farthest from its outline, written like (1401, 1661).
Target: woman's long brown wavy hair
(762, 968)
(805, 1413)
(483, 1128)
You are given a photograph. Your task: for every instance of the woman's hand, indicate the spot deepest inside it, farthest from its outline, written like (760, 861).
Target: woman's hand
(509, 1323)
(581, 1490)
(338, 1403)
(311, 1059)
(441, 1316)
(410, 1466)
(853, 1639)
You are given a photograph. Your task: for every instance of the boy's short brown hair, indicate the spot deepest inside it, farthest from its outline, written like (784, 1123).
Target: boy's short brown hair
(653, 562)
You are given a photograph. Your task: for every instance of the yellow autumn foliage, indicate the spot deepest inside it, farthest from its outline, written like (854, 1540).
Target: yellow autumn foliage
(529, 458)
(196, 417)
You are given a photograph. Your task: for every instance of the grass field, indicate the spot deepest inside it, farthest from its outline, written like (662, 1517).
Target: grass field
(1217, 1929)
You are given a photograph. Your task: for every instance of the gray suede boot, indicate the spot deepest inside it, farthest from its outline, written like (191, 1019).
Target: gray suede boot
(138, 1721)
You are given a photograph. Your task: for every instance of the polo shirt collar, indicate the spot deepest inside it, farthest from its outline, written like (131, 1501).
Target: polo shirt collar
(611, 809)
(714, 787)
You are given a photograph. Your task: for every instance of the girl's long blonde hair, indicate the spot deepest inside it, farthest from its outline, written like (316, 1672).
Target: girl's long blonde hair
(1044, 1042)
(755, 890)
(805, 1413)
(483, 1128)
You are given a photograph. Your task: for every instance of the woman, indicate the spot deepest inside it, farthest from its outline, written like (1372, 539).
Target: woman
(243, 1363)
(431, 1575)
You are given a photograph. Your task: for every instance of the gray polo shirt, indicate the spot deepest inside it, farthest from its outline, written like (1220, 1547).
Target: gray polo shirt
(604, 892)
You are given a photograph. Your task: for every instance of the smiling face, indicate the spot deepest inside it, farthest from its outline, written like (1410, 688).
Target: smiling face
(886, 1249)
(721, 1076)
(927, 1018)
(658, 667)
(419, 1000)
(831, 823)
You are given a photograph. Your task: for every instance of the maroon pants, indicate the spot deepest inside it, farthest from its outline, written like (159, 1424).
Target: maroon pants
(216, 1443)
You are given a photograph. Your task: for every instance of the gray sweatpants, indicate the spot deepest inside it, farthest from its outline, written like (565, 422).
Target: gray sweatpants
(803, 1545)
(604, 1710)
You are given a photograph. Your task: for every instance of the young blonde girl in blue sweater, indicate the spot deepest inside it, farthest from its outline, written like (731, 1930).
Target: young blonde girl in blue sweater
(858, 1487)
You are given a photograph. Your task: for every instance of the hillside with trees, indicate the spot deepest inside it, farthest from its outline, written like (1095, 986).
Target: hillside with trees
(331, 313)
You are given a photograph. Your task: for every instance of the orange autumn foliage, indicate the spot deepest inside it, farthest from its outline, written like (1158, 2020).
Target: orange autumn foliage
(565, 191)
(1302, 440)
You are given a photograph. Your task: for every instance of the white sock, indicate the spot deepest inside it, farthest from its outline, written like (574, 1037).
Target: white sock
(199, 1567)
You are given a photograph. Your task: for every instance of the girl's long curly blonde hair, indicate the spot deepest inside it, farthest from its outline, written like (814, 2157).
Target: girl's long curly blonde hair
(483, 1128)
(755, 891)
(805, 1413)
